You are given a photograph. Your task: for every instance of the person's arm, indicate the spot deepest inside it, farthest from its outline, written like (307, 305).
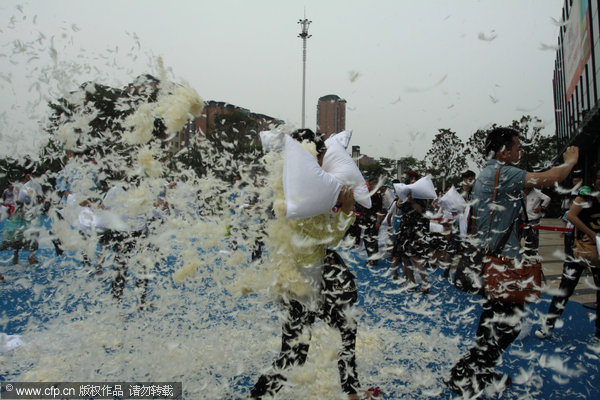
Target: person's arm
(390, 212)
(573, 217)
(346, 199)
(556, 174)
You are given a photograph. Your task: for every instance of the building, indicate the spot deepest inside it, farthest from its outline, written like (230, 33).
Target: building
(331, 114)
(576, 81)
(206, 122)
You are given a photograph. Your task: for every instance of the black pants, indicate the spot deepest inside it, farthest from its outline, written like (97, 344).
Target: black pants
(532, 238)
(123, 245)
(499, 326)
(294, 351)
(570, 277)
(355, 231)
(371, 235)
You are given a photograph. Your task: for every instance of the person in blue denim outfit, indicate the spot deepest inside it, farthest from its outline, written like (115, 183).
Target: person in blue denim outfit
(500, 322)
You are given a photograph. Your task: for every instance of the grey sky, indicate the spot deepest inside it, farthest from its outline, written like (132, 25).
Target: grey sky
(405, 67)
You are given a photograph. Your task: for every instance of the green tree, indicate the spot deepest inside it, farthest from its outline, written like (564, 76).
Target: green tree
(412, 164)
(96, 115)
(538, 150)
(475, 149)
(232, 145)
(373, 170)
(390, 166)
(446, 157)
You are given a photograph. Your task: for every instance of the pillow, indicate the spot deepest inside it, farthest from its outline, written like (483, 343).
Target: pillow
(342, 138)
(453, 201)
(423, 189)
(271, 141)
(338, 163)
(402, 191)
(309, 191)
(435, 227)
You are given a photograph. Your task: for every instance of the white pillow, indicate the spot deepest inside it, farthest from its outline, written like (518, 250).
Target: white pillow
(308, 190)
(271, 141)
(423, 189)
(342, 138)
(339, 164)
(402, 191)
(435, 227)
(453, 201)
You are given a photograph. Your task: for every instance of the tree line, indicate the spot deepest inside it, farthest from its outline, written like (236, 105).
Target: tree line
(448, 157)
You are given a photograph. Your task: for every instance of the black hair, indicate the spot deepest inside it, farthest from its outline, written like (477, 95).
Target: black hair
(499, 139)
(468, 174)
(302, 135)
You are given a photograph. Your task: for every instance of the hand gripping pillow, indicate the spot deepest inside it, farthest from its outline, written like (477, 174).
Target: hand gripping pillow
(342, 138)
(309, 191)
(338, 163)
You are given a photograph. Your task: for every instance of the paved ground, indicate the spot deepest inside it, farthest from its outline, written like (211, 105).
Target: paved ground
(551, 249)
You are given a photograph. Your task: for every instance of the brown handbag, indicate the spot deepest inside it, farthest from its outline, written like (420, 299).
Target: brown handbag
(585, 249)
(511, 280)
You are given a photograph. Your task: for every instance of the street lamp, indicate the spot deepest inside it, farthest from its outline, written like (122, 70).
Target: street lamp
(304, 35)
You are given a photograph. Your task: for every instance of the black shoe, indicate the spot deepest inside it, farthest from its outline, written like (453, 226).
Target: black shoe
(452, 386)
(462, 380)
(463, 387)
(267, 385)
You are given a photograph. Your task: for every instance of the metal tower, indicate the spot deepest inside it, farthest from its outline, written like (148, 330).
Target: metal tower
(304, 35)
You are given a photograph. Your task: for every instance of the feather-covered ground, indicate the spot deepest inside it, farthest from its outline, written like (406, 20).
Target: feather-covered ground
(217, 343)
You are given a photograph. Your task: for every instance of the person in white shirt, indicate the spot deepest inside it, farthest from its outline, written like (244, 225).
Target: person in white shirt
(535, 202)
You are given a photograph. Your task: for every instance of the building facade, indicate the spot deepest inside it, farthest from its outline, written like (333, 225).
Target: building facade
(576, 81)
(331, 114)
(207, 121)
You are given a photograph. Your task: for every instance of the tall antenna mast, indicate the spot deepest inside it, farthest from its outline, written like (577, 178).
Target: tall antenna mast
(304, 35)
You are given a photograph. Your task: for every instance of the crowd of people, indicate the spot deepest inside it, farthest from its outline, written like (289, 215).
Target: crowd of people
(110, 221)
(410, 240)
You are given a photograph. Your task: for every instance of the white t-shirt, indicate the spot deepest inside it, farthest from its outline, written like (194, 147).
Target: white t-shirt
(536, 199)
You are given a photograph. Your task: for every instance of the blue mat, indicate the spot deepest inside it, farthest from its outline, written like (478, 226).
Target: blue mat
(563, 366)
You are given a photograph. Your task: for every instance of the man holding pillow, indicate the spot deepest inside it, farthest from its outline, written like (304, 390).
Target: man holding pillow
(311, 281)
